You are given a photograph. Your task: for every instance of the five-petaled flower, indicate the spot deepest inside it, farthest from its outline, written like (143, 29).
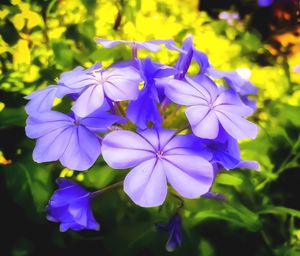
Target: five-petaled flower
(42, 100)
(96, 85)
(68, 138)
(159, 157)
(209, 106)
(70, 205)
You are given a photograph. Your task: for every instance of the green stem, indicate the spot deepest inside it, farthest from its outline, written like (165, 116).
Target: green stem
(110, 187)
(180, 200)
(187, 126)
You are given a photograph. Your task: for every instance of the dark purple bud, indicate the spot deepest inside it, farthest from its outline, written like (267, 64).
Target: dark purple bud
(173, 227)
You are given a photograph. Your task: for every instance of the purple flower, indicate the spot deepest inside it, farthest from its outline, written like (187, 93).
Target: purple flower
(173, 227)
(215, 196)
(226, 151)
(208, 107)
(237, 83)
(151, 45)
(117, 85)
(158, 157)
(70, 139)
(70, 205)
(186, 57)
(230, 17)
(264, 3)
(189, 52)
(144, 109)
(42, 100)
(297, 69)
(242, 86)
(234, 80)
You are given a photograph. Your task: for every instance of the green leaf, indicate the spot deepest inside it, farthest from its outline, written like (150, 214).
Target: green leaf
(99, 176)
(228, 179)
(280, 210)
(290, 113)
(233, 212)
(29, 184)
(205, 248)
(103, 54)
(63, 54)
(12, 117)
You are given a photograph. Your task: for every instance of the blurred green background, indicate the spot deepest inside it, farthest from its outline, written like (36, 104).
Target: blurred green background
(41, 39)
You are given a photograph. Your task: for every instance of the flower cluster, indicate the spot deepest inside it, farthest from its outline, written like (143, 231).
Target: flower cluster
(138, 93)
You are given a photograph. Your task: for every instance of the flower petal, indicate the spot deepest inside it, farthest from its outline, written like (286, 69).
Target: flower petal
(41, 100)
(202, 59)
(249, 165)
(81, 211)
(125, 149)
(205, 86)
(83, 149)
(122, 84)
(234, 80)
(68, 191)
(77, 81)
(89, 101)
(191, 176)
(231, 102)
(146, 184)
(226, 159)
(148, 45)
(51, 146)
(184, 93)
(100, 120)
(142, 111)
(39, 125)
(187, 144)
(110, 43)
(158, 138)
(203, 121)
(236, 126)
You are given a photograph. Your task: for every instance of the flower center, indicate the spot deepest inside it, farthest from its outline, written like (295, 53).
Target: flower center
(211, 105)
(77, 122)
(101, 79)
(159, 154)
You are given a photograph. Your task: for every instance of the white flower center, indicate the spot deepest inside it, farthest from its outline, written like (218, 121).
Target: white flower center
(159, 154)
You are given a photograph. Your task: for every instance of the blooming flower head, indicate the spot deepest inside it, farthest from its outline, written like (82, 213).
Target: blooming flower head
(70, 205)
(159, 157)
(208, 106)
(186, 159)
(96, 85)
(68, 138)
(173, 227)
(42, 100)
